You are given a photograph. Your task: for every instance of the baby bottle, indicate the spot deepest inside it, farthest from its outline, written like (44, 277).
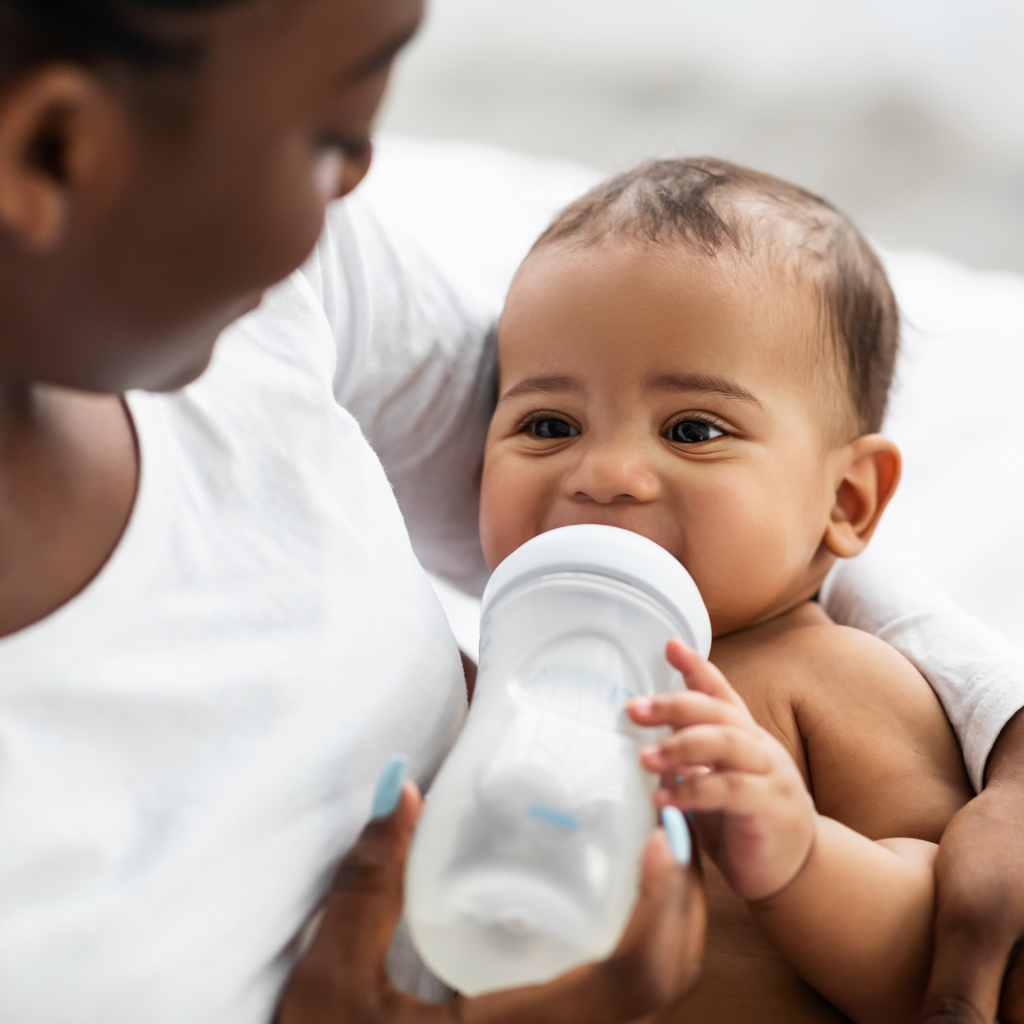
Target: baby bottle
(526, 860)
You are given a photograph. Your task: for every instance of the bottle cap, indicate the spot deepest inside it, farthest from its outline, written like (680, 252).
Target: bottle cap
(615, 553)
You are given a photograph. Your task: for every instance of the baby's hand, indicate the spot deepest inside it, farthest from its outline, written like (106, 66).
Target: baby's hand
(753, 813)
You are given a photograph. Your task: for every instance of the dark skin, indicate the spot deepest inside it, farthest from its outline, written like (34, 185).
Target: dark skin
(158, 214)
(231, 203)
(342, 976)
(139, 215)
(980, 907)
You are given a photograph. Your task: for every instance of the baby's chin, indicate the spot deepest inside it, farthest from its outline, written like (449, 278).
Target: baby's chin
(734, 612)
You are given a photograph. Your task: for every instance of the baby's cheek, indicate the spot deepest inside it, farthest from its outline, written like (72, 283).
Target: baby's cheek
(508, 508)
(737, 558)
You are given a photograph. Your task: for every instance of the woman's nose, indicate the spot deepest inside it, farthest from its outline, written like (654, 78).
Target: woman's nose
(609, 473)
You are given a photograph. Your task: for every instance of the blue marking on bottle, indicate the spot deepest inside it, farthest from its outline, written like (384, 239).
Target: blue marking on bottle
(561, 818)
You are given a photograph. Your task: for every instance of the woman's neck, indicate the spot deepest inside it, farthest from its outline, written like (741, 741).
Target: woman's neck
(68, 475)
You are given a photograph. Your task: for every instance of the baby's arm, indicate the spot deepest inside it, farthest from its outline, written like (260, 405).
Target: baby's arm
(852, 916)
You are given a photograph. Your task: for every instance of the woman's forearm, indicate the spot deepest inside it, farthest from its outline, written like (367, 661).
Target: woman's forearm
(856, 922)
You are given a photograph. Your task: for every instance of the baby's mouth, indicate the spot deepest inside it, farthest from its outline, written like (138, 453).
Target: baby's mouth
(633, 518)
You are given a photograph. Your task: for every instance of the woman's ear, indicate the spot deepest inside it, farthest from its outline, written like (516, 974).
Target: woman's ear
(869, 471)
(64, 154)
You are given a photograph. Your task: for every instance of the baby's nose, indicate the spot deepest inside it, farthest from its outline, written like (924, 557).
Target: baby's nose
(613, 473)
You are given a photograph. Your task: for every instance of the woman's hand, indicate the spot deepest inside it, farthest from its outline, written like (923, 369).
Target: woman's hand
(342, 978)
(753, 812)
(979, 923)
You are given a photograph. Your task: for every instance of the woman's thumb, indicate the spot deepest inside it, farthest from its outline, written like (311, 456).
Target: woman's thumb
(662, 946)
(345, 961)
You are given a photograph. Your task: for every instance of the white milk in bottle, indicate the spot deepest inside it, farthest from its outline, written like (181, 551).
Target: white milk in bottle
(526, 860)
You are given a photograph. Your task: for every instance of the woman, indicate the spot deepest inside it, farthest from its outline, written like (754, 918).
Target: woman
(214, 629)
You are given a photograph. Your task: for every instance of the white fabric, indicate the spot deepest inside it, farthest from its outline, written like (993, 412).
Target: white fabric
(475, 209)
(463, 613)
(976, 673)
(187, 746)
(956, 413)
(953, 528)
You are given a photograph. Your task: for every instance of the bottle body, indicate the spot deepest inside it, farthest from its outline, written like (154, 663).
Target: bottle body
(526, 860)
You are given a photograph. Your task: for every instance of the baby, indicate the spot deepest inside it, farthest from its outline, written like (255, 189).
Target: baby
(702, 354)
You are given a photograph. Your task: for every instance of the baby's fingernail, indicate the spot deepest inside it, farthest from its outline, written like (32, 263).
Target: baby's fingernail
(642, 704)
(650, 751)
(389, 787)
(677, 834)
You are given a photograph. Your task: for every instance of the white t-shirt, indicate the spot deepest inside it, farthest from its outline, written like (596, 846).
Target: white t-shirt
(188, 745)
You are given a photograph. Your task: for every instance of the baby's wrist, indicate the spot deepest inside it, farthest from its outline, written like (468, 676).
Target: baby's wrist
(802, 864)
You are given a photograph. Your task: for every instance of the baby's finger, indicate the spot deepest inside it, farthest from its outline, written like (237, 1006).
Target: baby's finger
(700, 674)
(732, 792)
(684, 708)
(724, 748)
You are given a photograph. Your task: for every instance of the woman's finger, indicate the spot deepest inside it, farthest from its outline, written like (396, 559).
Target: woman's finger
(661, 947)
(724, 748)
(341, 975)
(701, 675)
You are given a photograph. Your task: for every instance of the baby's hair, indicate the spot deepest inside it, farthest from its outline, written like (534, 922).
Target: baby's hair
(711, 205)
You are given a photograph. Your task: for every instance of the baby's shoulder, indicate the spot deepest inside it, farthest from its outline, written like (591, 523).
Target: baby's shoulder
(827, 661)
(866, 721)
(833, 676)
(806, 660)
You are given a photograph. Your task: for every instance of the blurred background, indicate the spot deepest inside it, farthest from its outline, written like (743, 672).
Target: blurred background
(908, 114)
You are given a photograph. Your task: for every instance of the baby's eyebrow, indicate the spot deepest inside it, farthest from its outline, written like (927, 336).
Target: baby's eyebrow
(705, 383)
(543, 385)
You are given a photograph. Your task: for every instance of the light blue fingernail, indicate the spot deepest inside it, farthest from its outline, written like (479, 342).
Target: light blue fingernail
(677, 834)
(389, 786)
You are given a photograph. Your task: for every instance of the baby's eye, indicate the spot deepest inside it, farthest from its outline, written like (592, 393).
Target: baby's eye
(694, 432)
(551, 428)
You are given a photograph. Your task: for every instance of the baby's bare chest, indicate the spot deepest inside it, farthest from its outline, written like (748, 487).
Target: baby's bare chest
(773, 697)
(744, 978)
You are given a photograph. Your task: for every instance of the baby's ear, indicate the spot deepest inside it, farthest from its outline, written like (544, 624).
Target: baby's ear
(869, 470)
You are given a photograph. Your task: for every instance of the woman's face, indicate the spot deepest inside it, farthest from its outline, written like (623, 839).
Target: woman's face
(217, 192)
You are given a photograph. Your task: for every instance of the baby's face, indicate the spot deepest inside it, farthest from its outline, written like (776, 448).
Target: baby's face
(676, 396)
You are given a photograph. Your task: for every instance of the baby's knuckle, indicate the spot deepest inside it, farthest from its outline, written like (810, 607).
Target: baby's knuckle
(784, 787)
(735, 783)
(731, 739)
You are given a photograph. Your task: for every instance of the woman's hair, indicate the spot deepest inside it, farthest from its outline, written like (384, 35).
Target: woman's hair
(91, 31)
(711, 206)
